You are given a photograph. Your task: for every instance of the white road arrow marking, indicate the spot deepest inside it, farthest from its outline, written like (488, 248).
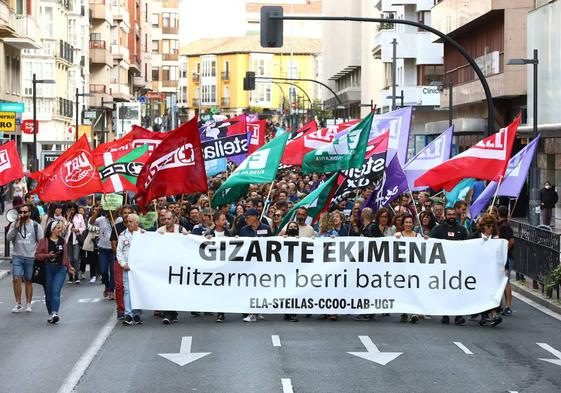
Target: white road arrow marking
(184, 356)
(553, 351)
(373, 353)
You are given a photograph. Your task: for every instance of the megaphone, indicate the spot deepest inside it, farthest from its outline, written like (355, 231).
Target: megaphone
(12, 215)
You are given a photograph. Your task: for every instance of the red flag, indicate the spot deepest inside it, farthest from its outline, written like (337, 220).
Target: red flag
(143, 136)
(487, 160)
(256, 134)
(70, 176)
(10, 163)
(309, 138)
(176, 166)
(122, 144)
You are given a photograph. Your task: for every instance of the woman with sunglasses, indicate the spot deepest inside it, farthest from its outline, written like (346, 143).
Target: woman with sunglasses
(53, 251)
(487, 229)
(276, 221)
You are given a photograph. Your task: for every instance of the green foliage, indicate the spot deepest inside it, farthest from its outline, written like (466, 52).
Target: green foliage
(552, 279)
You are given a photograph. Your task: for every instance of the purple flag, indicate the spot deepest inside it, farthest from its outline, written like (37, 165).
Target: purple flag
(392, 185)
(398, 122)
(435, 153)
(514, 179)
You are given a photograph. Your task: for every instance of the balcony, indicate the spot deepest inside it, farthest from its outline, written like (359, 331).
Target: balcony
(170, 83)
(120, 52)
(101, 10)
(170, 4)
(64, 3)
(196, 77)
(64, 107)
(27, 33)
(170, 56)
(225, 102)
(7, 21)
(120, 12)
(195, 102)
(119, 91)
(225, 75)
(98, 89)
(135, 65)
(138, 81)
(170, 30)
(65, 52)
(98, 93)
(99, 53)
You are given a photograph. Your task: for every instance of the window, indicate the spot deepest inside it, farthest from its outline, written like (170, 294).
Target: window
(209, 68)
(261, 66)
(429, 73)
(155, 20)
(155, 74)
(208, 94)
(261, 94)
(48, 19)
(155, 46)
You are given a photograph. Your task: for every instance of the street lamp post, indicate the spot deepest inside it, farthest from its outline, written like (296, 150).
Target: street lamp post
(35, 81)
(533, 208)
(78, 95)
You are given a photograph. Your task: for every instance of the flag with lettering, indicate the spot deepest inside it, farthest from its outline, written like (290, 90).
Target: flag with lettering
(225, 139)
(392, 185)
(435, 153)
(513, 181)
(71, 176)
(343, 153)
(120, 169)
(259, 167)
(10, 163)
(486, 160)
(175, 167)
(256, 134)
(309, 138)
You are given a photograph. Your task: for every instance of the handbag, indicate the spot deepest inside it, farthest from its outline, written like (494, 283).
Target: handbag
(82, 237)
(39, 273)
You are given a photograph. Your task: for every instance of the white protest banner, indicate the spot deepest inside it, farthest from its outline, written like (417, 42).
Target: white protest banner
(348, 275)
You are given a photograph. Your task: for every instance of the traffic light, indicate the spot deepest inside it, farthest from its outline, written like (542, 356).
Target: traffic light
(249, 81)
(271, 29)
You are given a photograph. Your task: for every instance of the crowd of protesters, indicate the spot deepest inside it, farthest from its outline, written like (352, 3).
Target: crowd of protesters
(69, 237)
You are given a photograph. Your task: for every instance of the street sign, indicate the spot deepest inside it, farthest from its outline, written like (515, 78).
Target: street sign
(27, 127)
(18, 107)
(7, 121)
(90, 115)
(49, 157)
(214, 110)
(142, 99)
(158, 120)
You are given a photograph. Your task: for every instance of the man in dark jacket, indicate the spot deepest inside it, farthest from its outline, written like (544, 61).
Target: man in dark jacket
(450, 230)
(548, 199)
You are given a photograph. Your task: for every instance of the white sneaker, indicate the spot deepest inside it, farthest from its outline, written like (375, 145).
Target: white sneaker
(250, 318)
(77, 282)
(93, 280)
(261, 317)
(17, 308)
(55, 318)
(28, 307)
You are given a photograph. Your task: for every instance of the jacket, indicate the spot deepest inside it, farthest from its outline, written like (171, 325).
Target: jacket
(42, 253)
(548, 197)
(124, 246)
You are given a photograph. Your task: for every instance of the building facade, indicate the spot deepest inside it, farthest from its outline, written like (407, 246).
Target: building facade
(215, 68)
(492, 32)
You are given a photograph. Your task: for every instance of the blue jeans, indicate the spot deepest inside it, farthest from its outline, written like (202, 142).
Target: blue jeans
(106, 259)
(74, 257)
(22, 267)
(54, 279)
(128, 307)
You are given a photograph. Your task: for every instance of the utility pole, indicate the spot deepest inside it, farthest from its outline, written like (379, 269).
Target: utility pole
(394, 72)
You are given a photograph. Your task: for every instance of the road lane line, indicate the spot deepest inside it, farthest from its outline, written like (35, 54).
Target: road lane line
(86, 359)
(287, 385)
(276, 340)
(537, 306)
(463, 347)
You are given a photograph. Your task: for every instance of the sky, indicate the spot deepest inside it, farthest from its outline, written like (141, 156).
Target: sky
(211, 19)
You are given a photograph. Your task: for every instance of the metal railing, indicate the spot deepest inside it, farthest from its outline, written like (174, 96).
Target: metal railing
(97, 44)
(98, 89)
(225, 75)
(225, 102)
(536, 253)
(196, 77)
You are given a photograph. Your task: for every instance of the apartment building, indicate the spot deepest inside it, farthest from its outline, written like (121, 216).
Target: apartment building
(18, 31)
(57, 60)
(492, 32)
(216, 67)
(418, 64)
(164, 47)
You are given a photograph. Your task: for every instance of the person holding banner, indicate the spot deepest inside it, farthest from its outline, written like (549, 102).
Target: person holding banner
(407, 231)
(450, 230)
(487, 229)
(123, 247)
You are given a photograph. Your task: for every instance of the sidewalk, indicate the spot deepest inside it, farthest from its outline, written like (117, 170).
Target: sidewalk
(525, 288)
(3, 223)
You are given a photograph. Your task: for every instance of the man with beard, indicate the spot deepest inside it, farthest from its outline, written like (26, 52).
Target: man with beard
(304, 230)
(450, 230)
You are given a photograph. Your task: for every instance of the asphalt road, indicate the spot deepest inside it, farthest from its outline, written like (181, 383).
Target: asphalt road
(312, 356)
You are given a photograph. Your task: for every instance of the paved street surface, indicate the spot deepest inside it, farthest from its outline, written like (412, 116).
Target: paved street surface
(308, 356)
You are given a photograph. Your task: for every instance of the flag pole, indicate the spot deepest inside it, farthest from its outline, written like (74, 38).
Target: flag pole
(415, 207)
(268, 195)
(356, 197)
(512, 210)
(112, 219)
(496, 192)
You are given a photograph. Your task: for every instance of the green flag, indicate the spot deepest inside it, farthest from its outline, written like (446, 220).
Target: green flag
(259, 167)
(344, 152)
(315, 202)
